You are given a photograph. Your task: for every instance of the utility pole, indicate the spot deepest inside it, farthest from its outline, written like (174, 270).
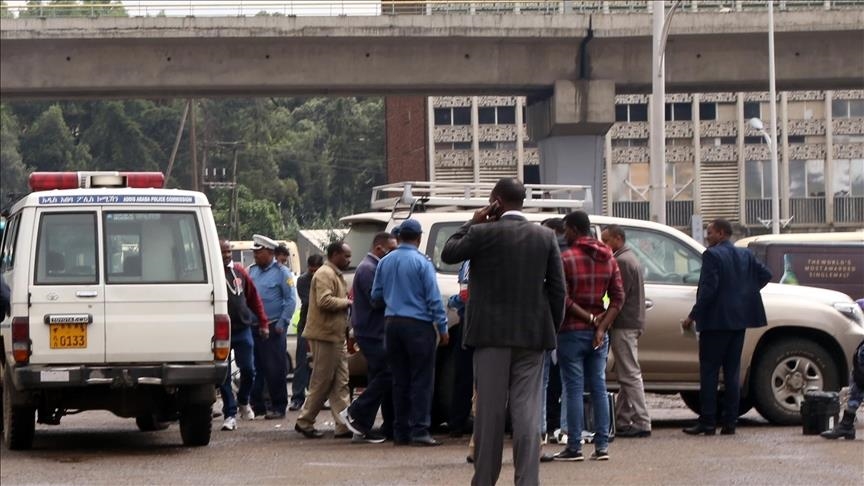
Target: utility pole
(196, 174)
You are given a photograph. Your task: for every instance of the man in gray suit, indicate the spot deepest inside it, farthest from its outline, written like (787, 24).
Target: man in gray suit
(517, 303)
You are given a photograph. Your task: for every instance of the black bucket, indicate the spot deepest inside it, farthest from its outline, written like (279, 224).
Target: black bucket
(817, 410)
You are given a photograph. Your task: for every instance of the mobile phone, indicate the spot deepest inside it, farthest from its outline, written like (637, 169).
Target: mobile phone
(494, 211)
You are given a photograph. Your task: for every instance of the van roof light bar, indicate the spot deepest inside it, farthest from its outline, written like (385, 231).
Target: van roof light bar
(476, 195)
(46, 181)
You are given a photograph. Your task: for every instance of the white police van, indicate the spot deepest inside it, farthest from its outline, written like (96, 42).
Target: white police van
(118, 304)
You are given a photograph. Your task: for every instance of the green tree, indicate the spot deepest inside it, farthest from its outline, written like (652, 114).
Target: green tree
(4, 10)
(13, 173)
(49, 145)
(255, 215)
(117, 143)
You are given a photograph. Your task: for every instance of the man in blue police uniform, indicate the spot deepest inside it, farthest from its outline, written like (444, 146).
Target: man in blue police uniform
(415, 321)
(275, 284)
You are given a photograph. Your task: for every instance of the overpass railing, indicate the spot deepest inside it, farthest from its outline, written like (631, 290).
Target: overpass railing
(249, 8)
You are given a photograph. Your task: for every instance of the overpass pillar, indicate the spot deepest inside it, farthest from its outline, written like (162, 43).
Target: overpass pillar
(569, 128)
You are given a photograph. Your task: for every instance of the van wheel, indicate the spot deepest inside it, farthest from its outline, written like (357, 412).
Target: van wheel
(19, 423)
(691, 399)
(148, 422)
(785, 370)
(195, 423)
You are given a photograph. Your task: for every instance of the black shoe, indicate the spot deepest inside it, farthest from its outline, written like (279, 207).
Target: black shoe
(631, 432)
(600, 456)
(568, 455)
(274, 416)
(295, 406)
(546, 458)
(309, 433)
(469, 459)
(699, 429)
(426, 441)
(727, 430)
(344, 435)
(368, 438)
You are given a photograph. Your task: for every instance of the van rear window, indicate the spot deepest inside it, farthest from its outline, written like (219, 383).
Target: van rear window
(153, 248)
(66, 249)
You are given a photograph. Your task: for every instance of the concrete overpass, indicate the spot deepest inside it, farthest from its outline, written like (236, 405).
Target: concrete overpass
(435, 55)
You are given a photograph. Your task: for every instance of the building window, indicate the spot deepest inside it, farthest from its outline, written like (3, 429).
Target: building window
(758, 179)
(806, 178)
(752, 109)
(634, 112)
(797, 139)
(848, 177)
(754, 140)
(488, 145)
(679, 181)
(506, 115)
(629, 142)
(679, 111)
(443, 116)
(707, 111)
(847, 108)
(462, 115)
(728, 140)
(461, 145)
(629, 182)
(486, 115)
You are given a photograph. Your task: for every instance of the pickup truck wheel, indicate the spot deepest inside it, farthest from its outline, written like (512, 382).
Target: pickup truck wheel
(147, 422)
(19, 423)
(785, 370)
(195, 424)
(691, 399)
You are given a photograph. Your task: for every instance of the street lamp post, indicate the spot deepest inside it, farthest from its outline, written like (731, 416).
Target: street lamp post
(660, 21)
(772, 82)
(775, 185)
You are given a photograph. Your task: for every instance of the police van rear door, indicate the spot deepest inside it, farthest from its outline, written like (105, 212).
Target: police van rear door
(67, 297)
(159, 295)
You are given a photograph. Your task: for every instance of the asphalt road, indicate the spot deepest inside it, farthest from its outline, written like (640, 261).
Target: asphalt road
(98, 448)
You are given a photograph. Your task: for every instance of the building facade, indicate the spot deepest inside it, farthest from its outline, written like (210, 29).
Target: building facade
(717, 164)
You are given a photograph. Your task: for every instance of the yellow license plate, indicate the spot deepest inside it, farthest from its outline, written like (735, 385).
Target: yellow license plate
(68, 336)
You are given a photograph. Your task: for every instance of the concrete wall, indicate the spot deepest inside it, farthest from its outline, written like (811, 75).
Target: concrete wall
(445, 55)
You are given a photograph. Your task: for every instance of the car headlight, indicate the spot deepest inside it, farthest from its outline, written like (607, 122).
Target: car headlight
(850, 310)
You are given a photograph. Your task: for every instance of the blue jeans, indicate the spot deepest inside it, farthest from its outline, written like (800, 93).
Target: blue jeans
(271, 367)
(584, 369)
(241, 344)
(301, 372)
(411, 354)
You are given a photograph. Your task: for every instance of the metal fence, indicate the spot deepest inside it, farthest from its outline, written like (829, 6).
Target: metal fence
(807, 210)
(678, 213)
(849, 209)
(248, 8)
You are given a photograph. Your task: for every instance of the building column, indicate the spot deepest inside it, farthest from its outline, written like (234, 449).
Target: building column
(697, 156)
(829, 159)
(520, 139)
(569, 128)
(742, 162)
(430, 126)
(475, 137)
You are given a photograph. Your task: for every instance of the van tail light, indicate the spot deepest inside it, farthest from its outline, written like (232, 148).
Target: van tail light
(21, 340)
(221, 337)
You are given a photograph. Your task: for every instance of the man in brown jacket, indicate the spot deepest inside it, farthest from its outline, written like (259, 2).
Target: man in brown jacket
(326, 325)
(631, 412)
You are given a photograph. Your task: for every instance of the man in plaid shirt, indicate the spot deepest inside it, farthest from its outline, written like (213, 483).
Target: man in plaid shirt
(590, 272)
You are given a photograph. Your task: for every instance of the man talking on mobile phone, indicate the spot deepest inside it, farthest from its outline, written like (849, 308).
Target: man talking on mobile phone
(517, 302)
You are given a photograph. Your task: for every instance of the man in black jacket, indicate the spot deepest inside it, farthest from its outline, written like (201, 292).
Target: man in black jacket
(517, 303)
